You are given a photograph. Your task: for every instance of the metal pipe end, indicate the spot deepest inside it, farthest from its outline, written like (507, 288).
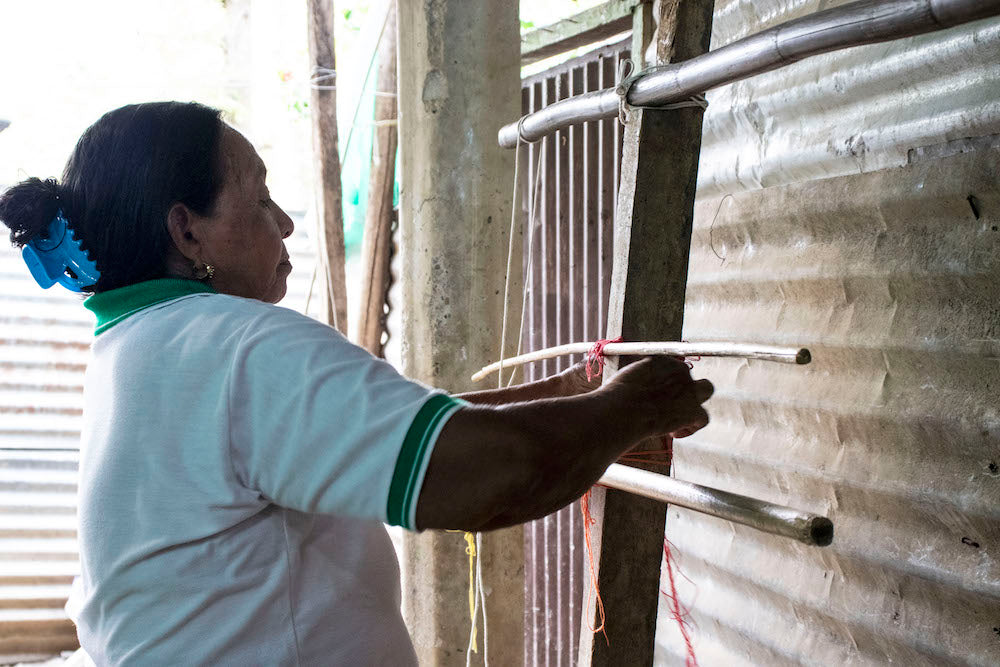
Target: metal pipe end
(821, 531)
(803, 357)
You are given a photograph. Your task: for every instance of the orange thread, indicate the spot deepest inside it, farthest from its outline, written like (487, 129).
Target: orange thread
(589, 521)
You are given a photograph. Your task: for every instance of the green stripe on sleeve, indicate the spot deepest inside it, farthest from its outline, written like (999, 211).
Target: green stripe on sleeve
(403, 489)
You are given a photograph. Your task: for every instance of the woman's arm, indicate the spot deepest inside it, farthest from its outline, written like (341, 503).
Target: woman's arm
(570, 382)
(533, 458)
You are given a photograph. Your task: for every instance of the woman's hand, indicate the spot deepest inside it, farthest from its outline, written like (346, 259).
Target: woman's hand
(500, 465)
(662, 393)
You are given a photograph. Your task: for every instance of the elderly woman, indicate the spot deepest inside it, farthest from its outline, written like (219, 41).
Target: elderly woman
(238, 460)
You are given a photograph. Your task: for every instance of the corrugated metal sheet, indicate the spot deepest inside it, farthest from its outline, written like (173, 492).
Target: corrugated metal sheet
(44, 345)
(846, 234)
(567, 301)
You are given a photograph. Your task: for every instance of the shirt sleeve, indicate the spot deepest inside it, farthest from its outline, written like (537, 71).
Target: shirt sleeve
(319, 425)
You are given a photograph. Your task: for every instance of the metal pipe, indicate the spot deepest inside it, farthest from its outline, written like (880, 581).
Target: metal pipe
(805, 527)
(788, 355)
(855, 24)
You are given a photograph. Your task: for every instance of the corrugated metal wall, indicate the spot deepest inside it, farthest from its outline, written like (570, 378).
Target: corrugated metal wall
(44, 345)
(44, 340)
(863, 223)
(567, 301)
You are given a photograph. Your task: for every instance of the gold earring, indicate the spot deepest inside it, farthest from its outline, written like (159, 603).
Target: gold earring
(206, 273)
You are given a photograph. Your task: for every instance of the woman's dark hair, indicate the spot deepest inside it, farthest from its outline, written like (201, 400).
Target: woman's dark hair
(125, 173)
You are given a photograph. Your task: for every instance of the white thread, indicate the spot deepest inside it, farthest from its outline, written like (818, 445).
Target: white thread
(475, 615)
(482, 596)
(532, 199)
(510, 250)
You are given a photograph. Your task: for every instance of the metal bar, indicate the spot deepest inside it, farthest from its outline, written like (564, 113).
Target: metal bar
(764, 516)
(855, 24)
(788, 355)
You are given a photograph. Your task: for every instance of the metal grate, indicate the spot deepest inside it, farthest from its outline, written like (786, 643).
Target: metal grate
(567, 301)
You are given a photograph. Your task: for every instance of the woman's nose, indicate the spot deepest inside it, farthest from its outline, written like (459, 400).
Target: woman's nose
(287, 225)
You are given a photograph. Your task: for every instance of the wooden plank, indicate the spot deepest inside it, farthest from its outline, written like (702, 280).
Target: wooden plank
(326, 158)
(588, 27)
(652, 243)
(376, 243)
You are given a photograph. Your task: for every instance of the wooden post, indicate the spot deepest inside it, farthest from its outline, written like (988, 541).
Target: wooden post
(377, 241)
(326, 156)
(652, 242)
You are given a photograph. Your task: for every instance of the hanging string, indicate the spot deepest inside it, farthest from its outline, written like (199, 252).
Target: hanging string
(679, 613)
(482, 598)
(470, 549)
(529, 274)
(594, 589)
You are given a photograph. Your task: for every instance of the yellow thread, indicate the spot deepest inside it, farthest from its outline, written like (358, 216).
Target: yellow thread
(470, 549)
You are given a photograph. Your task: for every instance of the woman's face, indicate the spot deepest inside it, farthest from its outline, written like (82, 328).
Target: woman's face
(244, 237)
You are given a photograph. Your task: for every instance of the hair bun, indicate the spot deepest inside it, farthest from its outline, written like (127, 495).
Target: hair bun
(28, 207)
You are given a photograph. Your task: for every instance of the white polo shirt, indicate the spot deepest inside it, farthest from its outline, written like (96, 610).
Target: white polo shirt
(237, 462)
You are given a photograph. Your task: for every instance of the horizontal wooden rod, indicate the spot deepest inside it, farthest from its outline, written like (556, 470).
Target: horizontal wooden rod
(788, 355)
(805, 527)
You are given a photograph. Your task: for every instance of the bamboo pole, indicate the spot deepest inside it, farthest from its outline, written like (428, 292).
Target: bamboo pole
(787, 355)
(377, 241)
(326, 157)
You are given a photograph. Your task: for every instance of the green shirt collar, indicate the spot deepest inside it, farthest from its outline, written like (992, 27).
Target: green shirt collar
(116, 305)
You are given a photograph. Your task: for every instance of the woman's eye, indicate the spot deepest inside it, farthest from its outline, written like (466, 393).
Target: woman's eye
(266, 203)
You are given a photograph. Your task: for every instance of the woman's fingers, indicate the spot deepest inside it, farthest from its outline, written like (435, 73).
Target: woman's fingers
(703, 390)
(692, 415)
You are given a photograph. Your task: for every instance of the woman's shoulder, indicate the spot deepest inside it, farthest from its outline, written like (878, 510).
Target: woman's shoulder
(251, 313)
(258, 324)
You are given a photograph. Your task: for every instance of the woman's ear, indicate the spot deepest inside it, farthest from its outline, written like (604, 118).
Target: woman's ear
(183, 228)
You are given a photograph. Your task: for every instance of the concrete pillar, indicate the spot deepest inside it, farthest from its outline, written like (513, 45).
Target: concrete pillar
(458, 83)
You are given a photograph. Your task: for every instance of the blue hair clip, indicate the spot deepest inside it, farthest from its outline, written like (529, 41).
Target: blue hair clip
(58, 258)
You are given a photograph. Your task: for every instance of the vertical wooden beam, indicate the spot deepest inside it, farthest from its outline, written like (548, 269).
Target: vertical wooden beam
(377, 240)
(652, 243)
(326, 157)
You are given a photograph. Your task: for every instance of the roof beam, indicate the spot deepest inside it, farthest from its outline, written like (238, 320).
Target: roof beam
(587, 27)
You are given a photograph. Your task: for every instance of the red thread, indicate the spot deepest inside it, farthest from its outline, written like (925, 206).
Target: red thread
(677, 612)
(595, 357)
(589, 521)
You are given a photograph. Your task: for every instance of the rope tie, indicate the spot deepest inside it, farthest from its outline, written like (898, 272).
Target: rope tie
(320, 78)
(626, 79)
(595, 357)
